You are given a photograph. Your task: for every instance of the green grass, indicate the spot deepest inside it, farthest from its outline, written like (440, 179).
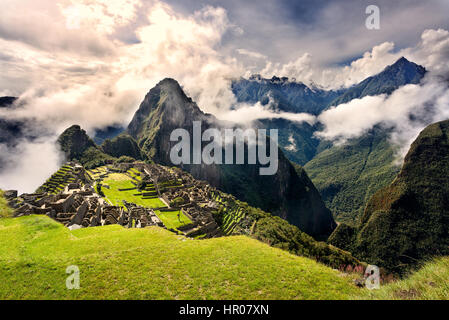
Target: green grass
(431, 282)
(117, 181)
(170, 219)
(5, 210)
(153, 263)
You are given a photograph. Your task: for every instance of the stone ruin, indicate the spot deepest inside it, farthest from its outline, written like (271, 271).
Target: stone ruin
(79, 206)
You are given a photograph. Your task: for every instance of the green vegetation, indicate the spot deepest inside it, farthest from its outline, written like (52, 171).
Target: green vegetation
(177, 202)
(59, 180)
(408, 221)
(230, 213)
(119, 181)
(95, 174)
(276, 232)
(74, 142)
(77, 145)
(431, 282)
(348, 175)
(152, 263)
(93, 157)
(5, 210)
(173, 219)
(122, 145)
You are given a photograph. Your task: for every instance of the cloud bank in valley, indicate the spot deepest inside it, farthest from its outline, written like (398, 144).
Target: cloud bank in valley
(29, 165)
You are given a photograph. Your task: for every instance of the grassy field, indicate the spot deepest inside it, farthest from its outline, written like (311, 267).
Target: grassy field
(170, 218)
(5, 211)
(117, 181)
(152, 263)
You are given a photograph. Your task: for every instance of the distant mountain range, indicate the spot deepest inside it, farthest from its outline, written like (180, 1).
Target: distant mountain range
(292, 96)
(348, 175)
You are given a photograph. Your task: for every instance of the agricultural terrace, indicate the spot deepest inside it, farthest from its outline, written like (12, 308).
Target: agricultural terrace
(232, 213)
(117, 187)
(59, 180)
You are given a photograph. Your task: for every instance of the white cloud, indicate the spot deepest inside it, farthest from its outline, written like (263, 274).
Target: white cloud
(24, 170)
(251, 54)
(245, 113)
(407, 111)
(304, 69)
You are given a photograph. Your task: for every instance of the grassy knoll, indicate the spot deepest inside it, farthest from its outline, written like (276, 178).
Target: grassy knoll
(170, 219)
(5, 210)
(431, 282)
(117, 181)
(152, 263)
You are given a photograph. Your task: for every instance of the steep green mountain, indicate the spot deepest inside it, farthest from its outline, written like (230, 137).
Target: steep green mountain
(77, 145)
(166, 108)
(348, 175)
(408, 221)
(122, 145)
(400, 73)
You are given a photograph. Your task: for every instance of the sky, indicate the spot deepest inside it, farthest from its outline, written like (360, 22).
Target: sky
(92, 62)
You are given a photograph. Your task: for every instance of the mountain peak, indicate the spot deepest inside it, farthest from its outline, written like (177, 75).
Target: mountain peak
(165, 102)
(168, 82)
(406, 68)
(74, 141)
(403, 60)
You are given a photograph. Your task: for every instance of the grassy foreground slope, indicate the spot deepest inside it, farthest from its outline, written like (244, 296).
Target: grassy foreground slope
(431, 282)
(152, 263)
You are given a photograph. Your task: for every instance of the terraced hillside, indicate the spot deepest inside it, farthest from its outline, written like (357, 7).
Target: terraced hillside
(231, 212)
(58, 181)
